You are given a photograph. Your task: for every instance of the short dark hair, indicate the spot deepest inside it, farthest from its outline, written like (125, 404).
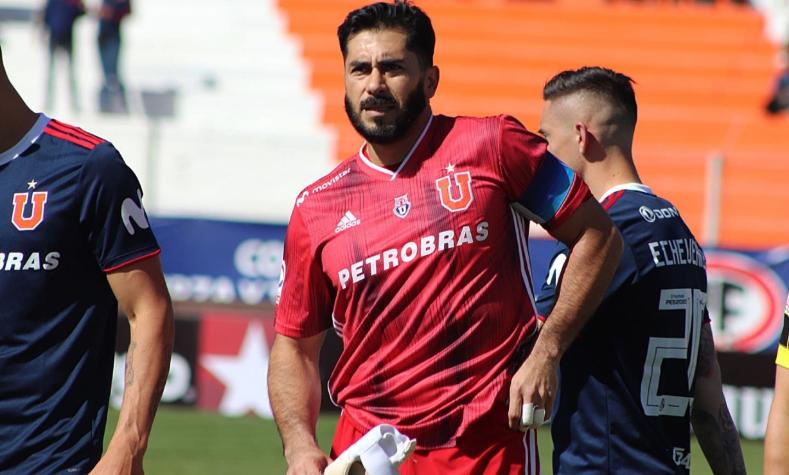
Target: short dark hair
(400, 14)
(614, 87)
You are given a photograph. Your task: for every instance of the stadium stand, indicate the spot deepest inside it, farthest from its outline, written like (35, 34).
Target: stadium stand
(247, 133)
(703, 74)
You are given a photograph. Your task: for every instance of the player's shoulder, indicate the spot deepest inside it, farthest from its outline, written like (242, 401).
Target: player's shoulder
(71, 137)
(63, 142)
(326, 182)
(637, 204)
(490, 122)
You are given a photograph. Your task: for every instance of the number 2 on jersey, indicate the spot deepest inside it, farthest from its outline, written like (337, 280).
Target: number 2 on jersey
(692, 302)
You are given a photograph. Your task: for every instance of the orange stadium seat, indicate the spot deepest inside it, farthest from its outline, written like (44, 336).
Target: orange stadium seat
(703, 74)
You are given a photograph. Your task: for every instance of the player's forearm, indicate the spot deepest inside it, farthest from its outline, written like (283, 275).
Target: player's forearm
(710, 417)
(294, 393)
(591, 264)
(776, 455)
(718, 438)
(147, 366)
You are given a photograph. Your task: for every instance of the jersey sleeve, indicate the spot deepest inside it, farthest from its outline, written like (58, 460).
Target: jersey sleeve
(782, 358)
(304, 304)
(111, 212)
(626, 274)
(542, 187)
(547, 297)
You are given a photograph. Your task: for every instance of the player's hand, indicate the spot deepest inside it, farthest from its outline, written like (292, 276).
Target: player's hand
(532, 391)
(307, 461)
(117, 462)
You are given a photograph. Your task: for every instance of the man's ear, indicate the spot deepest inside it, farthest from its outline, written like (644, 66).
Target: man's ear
(432, 76)
(583, 138)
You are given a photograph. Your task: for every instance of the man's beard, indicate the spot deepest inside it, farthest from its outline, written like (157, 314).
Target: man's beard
(388, 133)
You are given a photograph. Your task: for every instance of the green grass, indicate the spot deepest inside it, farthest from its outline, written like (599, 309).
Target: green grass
(190, 442)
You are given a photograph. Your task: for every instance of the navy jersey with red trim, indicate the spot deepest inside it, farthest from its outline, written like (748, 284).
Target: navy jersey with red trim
(626, 382)
(71, 211)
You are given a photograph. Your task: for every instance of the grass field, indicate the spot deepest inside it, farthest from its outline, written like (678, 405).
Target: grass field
(190, 442)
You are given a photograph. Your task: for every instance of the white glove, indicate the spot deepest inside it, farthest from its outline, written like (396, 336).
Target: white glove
(532, 417)
(379, 452)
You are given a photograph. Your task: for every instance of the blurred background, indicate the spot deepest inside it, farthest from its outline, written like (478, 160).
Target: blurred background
(226, 110)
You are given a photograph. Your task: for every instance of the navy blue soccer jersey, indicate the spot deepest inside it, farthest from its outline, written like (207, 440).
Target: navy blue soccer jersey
(70, 211)
(626, 383)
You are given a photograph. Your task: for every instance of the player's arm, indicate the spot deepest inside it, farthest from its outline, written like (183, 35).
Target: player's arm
(776, 441)
(710, 415)
(595, 247)
(142, 295)
(295, 395)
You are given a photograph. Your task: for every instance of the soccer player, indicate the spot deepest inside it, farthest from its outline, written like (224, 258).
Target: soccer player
(776, 442)
(644, 366)
(413, 252)
(74, 245)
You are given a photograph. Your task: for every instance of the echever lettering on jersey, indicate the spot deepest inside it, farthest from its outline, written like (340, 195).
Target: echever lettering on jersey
(38, 199)
(131, 211)
(425, 246)
(402, 205)
(744, 302)
(455, 198)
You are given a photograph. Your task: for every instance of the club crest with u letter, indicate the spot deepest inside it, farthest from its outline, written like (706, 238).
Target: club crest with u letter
(402, 205)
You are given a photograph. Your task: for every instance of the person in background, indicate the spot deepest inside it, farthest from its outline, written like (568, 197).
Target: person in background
(776, 441)
(58, 19)
(111, 14)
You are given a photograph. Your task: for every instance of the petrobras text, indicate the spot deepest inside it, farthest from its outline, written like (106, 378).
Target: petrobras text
(19, 261)
(425, 246)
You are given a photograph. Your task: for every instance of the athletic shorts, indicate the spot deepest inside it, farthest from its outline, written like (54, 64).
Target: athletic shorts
(489, 448)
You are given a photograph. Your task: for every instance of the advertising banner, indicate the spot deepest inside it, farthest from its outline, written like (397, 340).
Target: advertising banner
(221, 356)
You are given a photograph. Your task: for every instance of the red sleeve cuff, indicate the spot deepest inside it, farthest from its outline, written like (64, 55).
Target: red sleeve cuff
(132, 261)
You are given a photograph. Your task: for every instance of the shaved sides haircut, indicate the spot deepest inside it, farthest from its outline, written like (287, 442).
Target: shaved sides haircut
(613, 87)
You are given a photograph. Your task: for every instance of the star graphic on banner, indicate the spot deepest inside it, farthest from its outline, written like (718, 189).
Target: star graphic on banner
(450, 168)
(31, 185)
(244, 375)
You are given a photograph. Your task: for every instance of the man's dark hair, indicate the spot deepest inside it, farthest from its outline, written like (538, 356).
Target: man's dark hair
(614, 87)
(400, 14)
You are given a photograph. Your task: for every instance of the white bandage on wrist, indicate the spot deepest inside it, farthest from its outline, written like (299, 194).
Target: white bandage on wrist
(379, 452)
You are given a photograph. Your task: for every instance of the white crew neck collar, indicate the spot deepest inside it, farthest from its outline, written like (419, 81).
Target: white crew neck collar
(626, 186)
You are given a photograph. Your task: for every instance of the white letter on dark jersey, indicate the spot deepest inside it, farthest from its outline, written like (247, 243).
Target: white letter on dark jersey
(33, 262)
(655, 254)
(51, 261)
(131, 211)
(14, 260)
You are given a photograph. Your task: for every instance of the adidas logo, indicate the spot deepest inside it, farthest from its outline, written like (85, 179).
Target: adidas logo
(347, 221)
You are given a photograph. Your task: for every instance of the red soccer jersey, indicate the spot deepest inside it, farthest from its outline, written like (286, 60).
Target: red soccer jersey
(424, 272)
